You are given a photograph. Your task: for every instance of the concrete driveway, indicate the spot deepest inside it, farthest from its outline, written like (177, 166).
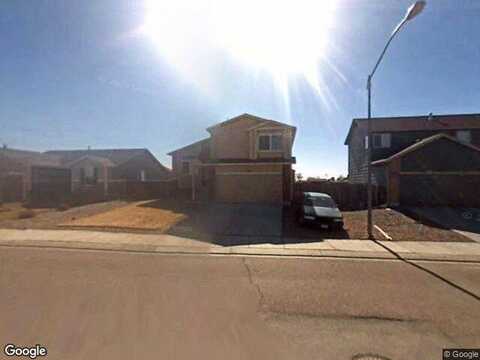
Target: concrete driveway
(247, 220)
(463, 220)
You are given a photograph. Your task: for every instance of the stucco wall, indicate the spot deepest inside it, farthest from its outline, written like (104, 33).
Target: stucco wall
(235, 141)
(231, 140)
(131, 169)
(77, 167)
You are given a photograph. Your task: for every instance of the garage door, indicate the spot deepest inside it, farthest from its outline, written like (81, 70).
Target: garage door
(249, 188)
(438, 190)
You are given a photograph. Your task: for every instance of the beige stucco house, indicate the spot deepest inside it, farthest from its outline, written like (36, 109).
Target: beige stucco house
(245, 159)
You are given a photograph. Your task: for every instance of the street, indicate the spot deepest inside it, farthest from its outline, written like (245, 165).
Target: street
(87, 304)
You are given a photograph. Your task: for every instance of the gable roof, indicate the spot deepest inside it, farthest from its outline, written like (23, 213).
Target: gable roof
(250, 116)
(196, 143)
(261, 122)
(104, 161)
(420, 144)
(417, 123)
(116, 156)
(30, 157)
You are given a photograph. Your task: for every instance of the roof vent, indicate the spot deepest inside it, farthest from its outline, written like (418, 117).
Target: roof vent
(430, 117)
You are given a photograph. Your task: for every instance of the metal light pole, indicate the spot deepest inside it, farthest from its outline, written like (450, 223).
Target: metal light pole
(412, 11)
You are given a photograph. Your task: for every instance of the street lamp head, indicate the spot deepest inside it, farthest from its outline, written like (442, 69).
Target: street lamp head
(415, 9)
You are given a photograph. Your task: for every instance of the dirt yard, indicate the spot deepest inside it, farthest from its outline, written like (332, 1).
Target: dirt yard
(136, 216)
(398, 226)
(15, 211)
(51, 218)
(177, 217)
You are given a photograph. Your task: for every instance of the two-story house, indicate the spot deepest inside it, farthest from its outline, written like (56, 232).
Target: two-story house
(245, 159)
(421, 160)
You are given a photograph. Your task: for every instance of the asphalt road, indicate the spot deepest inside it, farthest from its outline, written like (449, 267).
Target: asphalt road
(113, 305)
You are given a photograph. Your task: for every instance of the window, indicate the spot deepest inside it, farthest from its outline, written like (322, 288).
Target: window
(381, 140)
(142, 175)
(464, 136)
(319, 201)
(264, 142)
(276, 142)
(270, 143)
(186, 167)
(89, 175)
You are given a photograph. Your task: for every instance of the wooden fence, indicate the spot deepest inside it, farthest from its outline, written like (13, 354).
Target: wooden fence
(348, 196)
(11, 188)
(125, 190)
(49, 185)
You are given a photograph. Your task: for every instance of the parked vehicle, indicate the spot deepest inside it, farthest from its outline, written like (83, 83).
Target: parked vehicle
(319, 209)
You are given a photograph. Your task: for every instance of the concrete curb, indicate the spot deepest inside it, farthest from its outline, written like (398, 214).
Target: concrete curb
(161, 243)
(242, 250)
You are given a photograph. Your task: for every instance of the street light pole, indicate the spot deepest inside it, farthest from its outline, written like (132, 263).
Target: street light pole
(412, 11)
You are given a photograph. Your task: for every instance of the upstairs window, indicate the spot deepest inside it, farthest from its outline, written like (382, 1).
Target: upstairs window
(381, 141)
(464, 136)
(276, 144)
(186, 167)
(270, 143)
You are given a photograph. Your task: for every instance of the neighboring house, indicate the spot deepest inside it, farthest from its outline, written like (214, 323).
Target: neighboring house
(99, 168)
(16, 171)
(421, 160)
(245, 159)
(91, 170)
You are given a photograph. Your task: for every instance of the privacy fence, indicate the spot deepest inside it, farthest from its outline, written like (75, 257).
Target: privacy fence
(348, 196)
(53, 187)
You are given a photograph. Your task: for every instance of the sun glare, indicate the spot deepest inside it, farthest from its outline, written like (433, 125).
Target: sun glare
(282, 37)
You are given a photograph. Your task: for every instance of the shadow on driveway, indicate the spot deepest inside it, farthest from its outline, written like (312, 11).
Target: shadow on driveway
(240, 224)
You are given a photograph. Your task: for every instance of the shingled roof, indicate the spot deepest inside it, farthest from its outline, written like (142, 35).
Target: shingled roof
(116, 156)
(415, 123)
(30, 157)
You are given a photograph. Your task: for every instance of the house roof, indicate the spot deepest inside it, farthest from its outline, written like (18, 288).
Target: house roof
(417, 123)
(251, 161)
(30, 157)
(420, 144)
(101, 160)
(116, 156)
(261, 123)
(196, 143)
(246, 115)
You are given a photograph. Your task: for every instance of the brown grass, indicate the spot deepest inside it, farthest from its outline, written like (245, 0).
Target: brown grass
(133, 216)
(12, 211)
(26, 214)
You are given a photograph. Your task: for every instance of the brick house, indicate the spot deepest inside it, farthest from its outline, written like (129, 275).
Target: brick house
(420, 160)
(245, 159)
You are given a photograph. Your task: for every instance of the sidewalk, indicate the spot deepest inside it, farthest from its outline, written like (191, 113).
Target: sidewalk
(82, 239)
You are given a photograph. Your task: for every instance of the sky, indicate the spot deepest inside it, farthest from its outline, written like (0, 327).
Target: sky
(125, 74)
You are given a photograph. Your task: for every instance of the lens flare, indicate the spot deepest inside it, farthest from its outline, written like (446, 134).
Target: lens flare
(286, 38)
